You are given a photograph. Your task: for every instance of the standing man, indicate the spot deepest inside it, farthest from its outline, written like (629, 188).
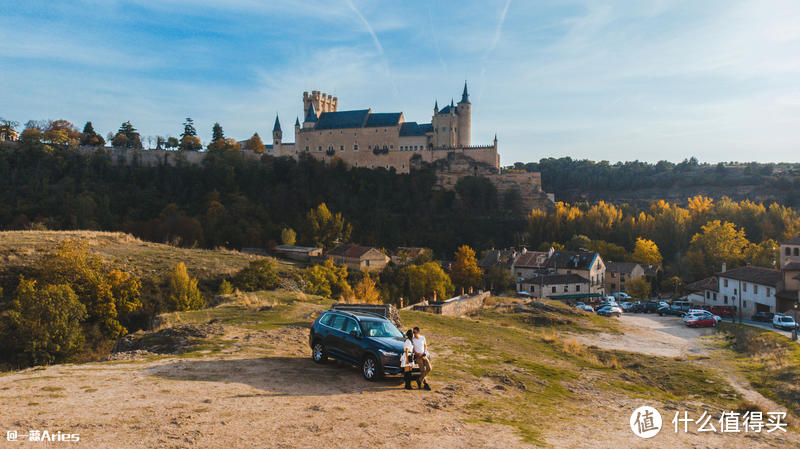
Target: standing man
(421, 357)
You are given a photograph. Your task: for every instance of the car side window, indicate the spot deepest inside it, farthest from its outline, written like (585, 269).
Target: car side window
(326, 320)
(337, 322)
(350, 325)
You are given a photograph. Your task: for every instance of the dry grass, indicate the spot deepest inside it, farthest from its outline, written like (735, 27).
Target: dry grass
(21, 249)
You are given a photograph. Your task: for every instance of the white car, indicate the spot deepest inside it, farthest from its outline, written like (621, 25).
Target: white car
(784, 322)
(696, 312)
(621, 296)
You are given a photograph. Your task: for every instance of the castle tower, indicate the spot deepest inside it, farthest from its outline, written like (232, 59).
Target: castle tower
(311, 116)
(321, 101)
(296, 129)
(277, 135)
(464, 119)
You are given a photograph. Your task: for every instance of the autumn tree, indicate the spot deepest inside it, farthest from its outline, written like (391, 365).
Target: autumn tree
(328, 280)
(288, 236)
(43, 323)
(189, 140)
(254, 144)
(172, 142)
(365, 290)
(465, 272)
(216, 133)
(260, 274)
(422, 281)
(326, 229)
(182, 292)
(646, 252)
(127, 137)
(106, 292)
(718, 242)
(61, 134)
(638, 288)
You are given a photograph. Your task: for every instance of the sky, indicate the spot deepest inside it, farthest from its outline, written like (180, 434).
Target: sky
(623, 80)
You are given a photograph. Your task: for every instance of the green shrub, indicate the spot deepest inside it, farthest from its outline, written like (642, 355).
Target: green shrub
(261, 274)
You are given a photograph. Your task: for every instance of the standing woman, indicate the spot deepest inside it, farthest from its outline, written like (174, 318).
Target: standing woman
(407, 359)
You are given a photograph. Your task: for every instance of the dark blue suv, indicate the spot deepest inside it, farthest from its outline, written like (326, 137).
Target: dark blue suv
(366, 340)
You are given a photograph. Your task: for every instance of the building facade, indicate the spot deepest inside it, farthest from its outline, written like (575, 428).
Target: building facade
(619, 273)
(363, 138)
(555, 286)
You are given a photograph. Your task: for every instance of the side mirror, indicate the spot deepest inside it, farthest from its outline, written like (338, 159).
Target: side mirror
(355, 334)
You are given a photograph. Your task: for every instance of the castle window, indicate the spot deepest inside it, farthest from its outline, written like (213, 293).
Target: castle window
(355, 147)
(444, 128)
(797, 251)
(341, 147)
(319, 148)
(788, 251)
(391, 146)
(306, 147)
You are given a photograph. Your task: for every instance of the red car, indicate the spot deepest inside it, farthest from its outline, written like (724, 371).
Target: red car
(703, 320)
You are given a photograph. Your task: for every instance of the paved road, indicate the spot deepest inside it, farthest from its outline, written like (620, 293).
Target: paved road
(767, 326)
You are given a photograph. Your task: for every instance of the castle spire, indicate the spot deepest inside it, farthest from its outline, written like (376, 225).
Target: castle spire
(465, 94)
(277, 126)
(436, 106)
(311, 116)
(297, 121)
(495, 137)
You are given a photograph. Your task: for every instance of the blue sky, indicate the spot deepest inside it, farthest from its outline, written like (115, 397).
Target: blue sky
(624, 80)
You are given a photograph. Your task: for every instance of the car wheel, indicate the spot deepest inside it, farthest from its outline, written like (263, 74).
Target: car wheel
(370, 368)
(318, 353)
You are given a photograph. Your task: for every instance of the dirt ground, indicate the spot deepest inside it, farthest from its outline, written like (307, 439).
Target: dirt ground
(279, 398)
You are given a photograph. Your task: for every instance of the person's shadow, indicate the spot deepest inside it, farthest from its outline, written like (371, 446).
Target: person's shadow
(277, 376)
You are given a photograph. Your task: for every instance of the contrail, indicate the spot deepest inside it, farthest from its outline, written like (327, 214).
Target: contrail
(377, 43)
(495, 40)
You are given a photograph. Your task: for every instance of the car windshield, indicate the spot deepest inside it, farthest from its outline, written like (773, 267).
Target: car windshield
(380, 329)
(787, 319)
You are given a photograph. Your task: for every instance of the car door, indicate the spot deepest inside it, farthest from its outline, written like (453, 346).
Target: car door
(333, 337)
(351, 344)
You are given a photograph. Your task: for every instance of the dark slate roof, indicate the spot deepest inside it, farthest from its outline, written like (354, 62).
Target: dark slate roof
(793, 241)
(581, 260)
(536, 259)
(621, 267)
(710, 283)
(311, 115)
(383, 119)
(465, 94)
(426, 127)
(277, 126)
(297, 121)
(411, 129)
(551, 279)
(446, 109)
(342, 119)
(651, 270)
(756, 275)
(498, 257)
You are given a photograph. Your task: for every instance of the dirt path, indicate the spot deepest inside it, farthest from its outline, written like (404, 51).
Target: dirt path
(276, 399)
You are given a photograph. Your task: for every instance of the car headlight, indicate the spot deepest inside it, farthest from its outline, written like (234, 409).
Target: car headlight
(388, 353)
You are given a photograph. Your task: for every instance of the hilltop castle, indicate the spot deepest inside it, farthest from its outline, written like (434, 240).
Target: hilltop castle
(362, 138)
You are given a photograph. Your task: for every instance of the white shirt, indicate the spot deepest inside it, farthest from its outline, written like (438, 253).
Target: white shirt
(419, 344)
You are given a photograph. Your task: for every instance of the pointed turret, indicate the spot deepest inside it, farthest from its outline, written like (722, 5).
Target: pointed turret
(311, 116)
(465, 94)
(297, 122)
(277, 134)
(277, 126)
(436, 107)
(495, 137)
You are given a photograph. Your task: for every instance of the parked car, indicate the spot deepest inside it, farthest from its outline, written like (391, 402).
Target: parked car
(784, 322)
(663, 304)
(585, 307)
(627, 306)
(700, 320)
(651, 307)
(365, 340)
(621, 296)
(609, 311)
(764, 317)
(671, 310)
(726, 311)
(695, 312)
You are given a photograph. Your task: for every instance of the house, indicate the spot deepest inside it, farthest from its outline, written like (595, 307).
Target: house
(619, 273)
(529, 263)
(789, 294)
(498, 258)
(556, 286)
(704, 291)
(583, 263)
(790, 252)
(751, 289)
(358, 257)
(301, 253)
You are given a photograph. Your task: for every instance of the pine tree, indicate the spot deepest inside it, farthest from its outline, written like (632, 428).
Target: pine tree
(216, 133)
(188, 128)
